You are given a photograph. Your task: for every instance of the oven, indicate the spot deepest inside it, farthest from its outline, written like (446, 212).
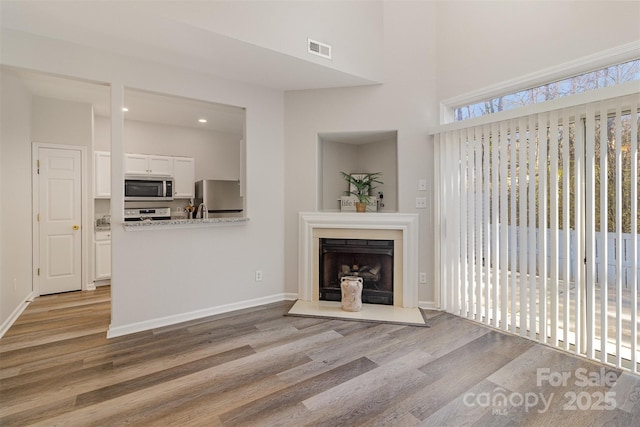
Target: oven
(146, 214)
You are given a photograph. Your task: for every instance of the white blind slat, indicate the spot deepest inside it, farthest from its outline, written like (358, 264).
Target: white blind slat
(618, 163)
(513, 243)
(523, 244)
(604, 216)
(554, 251)
(566, 228)
(532, 142)
(542, 224)
(634, 233)
(590, 228)
(504, 212)
(494, 265)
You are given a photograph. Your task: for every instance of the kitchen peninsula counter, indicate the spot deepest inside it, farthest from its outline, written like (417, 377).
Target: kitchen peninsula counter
(183, 223)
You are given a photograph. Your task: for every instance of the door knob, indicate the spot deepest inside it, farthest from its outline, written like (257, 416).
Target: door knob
(76, 227)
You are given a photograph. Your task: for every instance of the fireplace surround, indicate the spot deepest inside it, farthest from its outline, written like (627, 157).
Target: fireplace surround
(402, 229)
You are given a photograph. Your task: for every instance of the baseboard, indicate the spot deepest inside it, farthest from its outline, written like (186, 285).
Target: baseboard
(16, 313)
(428, 305)
(198, 314)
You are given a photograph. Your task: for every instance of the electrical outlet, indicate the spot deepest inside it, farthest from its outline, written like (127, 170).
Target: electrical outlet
(258, 275)
(421, 202)
(423, 277)
(422, 185)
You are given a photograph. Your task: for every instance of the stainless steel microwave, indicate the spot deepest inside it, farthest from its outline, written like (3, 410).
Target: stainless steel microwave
(147, 187)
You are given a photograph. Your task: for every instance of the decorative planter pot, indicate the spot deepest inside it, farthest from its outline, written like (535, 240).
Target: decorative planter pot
(351, 287)
(361, 207)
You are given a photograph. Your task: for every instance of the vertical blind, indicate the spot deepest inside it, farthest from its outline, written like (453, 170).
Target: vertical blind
(538, 224)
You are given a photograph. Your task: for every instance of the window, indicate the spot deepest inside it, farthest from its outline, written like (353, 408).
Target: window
(604, 77)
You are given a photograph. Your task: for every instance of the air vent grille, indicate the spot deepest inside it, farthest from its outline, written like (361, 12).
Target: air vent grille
(320, 49)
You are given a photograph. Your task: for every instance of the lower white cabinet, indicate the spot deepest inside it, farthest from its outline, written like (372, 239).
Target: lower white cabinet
(103, 255)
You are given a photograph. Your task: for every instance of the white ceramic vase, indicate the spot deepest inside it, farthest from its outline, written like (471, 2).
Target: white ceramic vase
(351, 287)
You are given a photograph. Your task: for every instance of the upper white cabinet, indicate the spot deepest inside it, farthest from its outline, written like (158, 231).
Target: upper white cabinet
(182, 169)
(184, 175)
(143, 164)
(102, 175)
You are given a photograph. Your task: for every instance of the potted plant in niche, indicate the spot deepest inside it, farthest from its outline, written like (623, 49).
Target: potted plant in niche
(361, 185)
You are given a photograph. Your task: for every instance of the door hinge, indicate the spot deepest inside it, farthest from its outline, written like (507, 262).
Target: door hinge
(38, 219)
(38, 271)
(38, 165)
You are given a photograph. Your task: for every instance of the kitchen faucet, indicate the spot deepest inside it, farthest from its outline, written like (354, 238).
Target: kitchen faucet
(203, 212)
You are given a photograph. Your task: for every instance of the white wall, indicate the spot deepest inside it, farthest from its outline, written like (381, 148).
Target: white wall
(62, 122)
(336, 157)
(433, 51)
(284, 26)
(381, 156)
(15, 203)
(405, 102)
(481, 43)
(158, 275)
(216, 154)
(56, 121)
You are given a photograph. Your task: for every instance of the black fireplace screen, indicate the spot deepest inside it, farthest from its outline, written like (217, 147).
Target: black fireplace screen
(372, 260)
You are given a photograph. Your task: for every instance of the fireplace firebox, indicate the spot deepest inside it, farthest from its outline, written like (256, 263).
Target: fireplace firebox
(372, 260)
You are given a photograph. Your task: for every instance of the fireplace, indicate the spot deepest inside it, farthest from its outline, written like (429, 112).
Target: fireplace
(370, 259)
(402, 229)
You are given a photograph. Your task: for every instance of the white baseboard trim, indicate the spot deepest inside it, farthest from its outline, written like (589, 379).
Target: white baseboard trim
(428, 305)
(90, 287)
(197, 314)
(16, 313)
(132, 328)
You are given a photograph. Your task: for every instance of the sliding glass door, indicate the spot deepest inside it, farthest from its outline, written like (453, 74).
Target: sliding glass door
(538, 224)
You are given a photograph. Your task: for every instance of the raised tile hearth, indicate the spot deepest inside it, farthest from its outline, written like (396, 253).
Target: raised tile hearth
(369, 312)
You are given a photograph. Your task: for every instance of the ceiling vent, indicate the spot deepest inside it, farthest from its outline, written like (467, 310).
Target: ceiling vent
(319, 49)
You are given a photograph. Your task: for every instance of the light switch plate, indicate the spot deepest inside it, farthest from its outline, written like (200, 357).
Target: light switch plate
(422, 185)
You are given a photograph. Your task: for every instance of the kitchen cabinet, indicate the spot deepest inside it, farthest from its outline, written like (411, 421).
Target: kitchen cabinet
(103, 255)
(143, 164)
(102, 174)
(184, 176)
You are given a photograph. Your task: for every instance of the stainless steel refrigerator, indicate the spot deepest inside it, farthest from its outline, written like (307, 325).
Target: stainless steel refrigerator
(219, 195)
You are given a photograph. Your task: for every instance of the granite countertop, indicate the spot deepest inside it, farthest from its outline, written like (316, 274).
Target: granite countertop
(183, 223)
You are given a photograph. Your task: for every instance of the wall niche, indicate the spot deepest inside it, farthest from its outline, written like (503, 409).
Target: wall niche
(357, 152)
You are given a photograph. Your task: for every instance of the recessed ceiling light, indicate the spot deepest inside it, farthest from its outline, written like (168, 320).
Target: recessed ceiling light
(125, 109)
(202, 120)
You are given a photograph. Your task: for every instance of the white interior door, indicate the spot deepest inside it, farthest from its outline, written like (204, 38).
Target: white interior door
(60, 212)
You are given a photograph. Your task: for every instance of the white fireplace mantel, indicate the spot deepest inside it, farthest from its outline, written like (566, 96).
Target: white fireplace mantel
(308, 222)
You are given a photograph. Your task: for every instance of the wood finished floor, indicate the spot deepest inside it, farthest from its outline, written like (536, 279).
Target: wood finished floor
(257, 367)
